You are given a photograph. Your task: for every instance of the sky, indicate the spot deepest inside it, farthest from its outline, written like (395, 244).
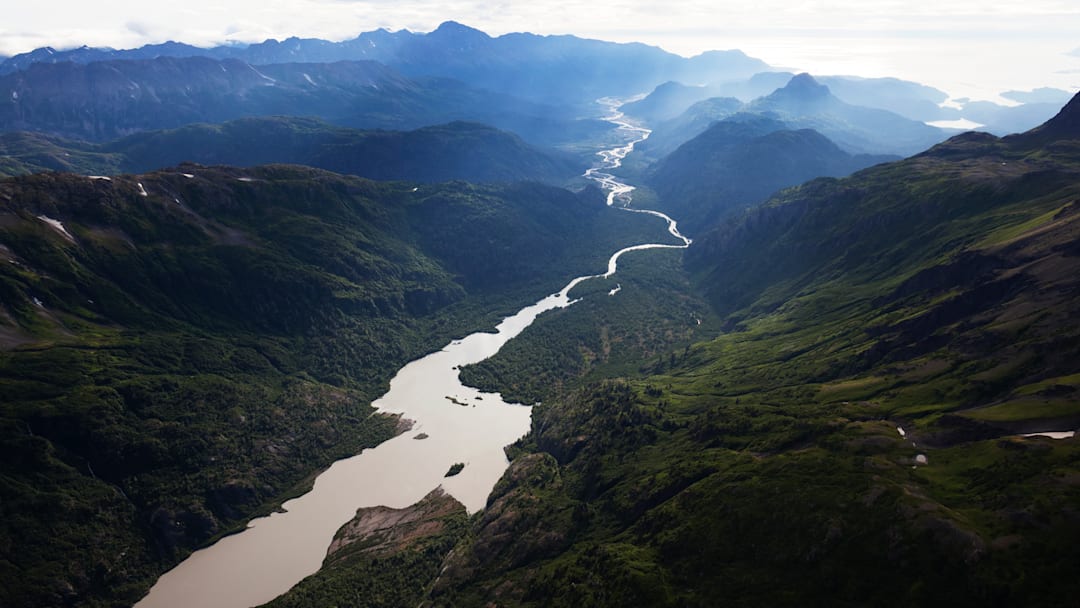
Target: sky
(967, 48)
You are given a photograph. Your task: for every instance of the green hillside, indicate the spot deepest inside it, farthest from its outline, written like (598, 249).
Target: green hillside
(183, 349)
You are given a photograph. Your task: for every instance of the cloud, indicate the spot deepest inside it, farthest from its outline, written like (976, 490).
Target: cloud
(139, 27)
(1075, 52)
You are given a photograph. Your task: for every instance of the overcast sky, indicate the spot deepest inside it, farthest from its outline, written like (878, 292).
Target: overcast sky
(967, 48)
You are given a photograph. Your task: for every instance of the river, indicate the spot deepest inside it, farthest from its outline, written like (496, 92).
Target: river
(461, 424)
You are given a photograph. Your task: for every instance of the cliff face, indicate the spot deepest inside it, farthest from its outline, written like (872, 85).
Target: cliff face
(383, 532)
(384, 556)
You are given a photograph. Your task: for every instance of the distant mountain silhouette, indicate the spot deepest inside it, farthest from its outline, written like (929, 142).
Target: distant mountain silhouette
(666, 101)
(1039, 95)
(908, 99)
(802, 103)
(1006, 120)
(552, 69)
(105, 100)
(670, 134)
(806, 103)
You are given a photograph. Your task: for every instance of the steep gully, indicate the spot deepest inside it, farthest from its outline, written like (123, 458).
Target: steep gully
(451, 423)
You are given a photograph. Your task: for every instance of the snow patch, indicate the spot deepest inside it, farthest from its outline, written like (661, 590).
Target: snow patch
(261, 75)
(38, 303)
(142, 191)
(188, 175)
(308, 78)
(921, 459)
(1053, 434)
(617, 289)
(244, 179)
(104, 177)
(58, 226)
(15, 96)
(901, 430)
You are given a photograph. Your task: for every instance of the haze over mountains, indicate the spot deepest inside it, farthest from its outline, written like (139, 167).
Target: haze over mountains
(557, 69)
(212, 261)
(467, 151)
(101, 101)
(531, 72)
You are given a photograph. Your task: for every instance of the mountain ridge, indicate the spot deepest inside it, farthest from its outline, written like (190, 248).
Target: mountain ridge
(740, 161)
(106, 100)
(804, 102)
(457, 150)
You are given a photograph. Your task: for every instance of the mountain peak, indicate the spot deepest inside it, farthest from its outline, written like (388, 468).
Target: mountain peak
(805, 86)
(457, 30)
(801, 95)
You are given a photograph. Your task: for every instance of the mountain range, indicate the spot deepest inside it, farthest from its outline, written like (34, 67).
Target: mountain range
(542, 88)
(805, 103)
(551, 69)
(910, 100)
(105, 100)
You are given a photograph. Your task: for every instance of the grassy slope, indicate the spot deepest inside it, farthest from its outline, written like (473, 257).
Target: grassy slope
(22, 153)
(764, 466)
(189, 357)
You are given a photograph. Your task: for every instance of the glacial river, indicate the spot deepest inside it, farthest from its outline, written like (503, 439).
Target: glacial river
(461, 424)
